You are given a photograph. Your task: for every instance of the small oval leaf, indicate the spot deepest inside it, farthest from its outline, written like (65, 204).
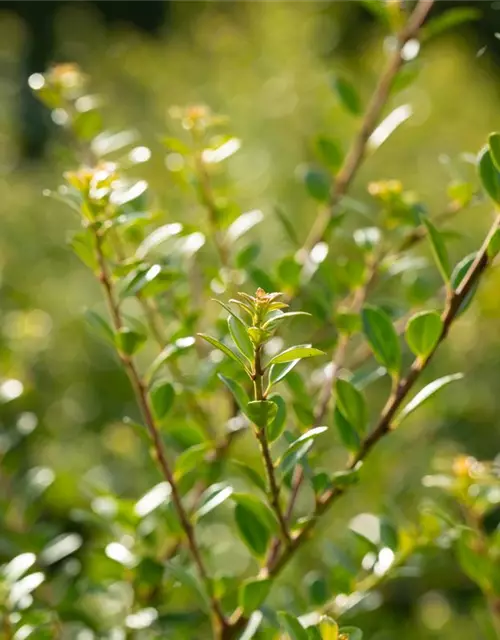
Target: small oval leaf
(352, 405)
(261, 412)
(382, 337)
(423, 332)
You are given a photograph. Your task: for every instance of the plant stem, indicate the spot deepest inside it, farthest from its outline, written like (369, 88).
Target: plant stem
(358, 149)
(385, 422)
(260, 432)
(140, 391)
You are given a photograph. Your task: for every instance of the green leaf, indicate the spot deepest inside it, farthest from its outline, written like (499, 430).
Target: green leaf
(212, 498)
(318, 184)
(345, 478)
(382, 337)
(255, 522)
(348, 96)
(283, 316)
(190, 581)
(225, 350)
(252, 594)
(129, 341)
(191, 458)
(348, 434)
(330, 152)
(351, 633)
(278, 371)
(275, 428)
(297, 352)
(328, 629)
(489, 175)
(261, 412)
(423, 331)
(239, 394)
(287, 227)
(292, 626)
(494, 146)
(100, 326)
(448, 20)
(162, 398)
(238, 331)
(252, 475)
(459, 273)
(168, 352)
(423, 395)
(352, 405)
(494, 245)
(308, 435)
(247, 255)
(243, 224)
(438, 249)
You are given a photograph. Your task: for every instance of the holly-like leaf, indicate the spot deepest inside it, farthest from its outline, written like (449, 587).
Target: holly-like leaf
(423, 331)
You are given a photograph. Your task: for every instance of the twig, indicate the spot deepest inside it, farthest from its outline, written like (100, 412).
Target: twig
(142, 399)
(385, 422)
(358, 148)
(260, 432)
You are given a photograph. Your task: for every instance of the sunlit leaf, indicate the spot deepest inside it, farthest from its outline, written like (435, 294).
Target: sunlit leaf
(222, 347)
(438, 249)
(382, 337)
(426, 393)
(213, 497)
(239, 394)
(423, 331)
(297, 352)
(252, 594)
(261, 412)
(292, 627)
(489, 175)
(278, 371)
(243, 224)
(241, 339)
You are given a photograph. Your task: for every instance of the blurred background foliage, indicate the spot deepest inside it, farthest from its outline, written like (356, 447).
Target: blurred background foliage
(269, 67)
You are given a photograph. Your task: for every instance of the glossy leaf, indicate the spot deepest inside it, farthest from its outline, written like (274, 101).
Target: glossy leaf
(423, 331)
(191, 458)
(438, 249)
(162, 398)
(292, 627)
(426, 393)
(212, 498)
(347, 432)
(489, 175)
(458, 275)
(276, 426)
(382, 337)
(243, 224)
(297, 352)
(283, 316)
(278, 371)
(129, 341)
(222, 347)
(167, 353)
(240, 337)
(494, 146)
(261, 412)
(352, 405)
(239, 394)
(255, 522)
(252, 594)
(328, 629)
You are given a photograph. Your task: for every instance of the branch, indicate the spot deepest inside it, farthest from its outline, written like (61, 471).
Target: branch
(385, 422)
(358, 149)
(143, 402)
(260, 432)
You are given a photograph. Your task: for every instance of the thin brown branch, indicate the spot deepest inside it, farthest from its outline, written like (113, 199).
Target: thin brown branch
(358, 149)
(385, 422)
(140, 391)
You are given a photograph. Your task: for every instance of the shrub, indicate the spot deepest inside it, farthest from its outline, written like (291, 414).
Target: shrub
(198, 323)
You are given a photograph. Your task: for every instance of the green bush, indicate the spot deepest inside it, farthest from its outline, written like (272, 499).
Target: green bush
(311, 359)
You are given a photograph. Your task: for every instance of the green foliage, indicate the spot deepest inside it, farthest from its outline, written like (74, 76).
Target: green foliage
(212, 548)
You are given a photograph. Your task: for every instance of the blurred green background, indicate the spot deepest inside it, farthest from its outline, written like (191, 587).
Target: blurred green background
(268, 66)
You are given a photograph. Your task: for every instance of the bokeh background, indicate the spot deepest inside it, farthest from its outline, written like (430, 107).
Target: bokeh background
(268, 66)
